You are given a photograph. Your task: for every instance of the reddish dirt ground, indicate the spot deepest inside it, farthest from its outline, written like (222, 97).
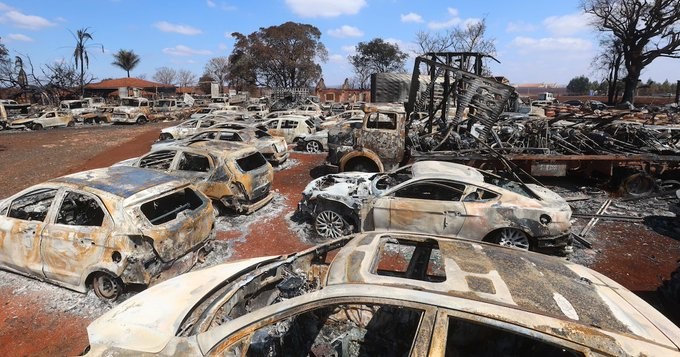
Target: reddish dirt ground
(633, 255)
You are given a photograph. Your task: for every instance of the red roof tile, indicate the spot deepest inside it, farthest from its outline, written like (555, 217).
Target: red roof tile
(126, 82)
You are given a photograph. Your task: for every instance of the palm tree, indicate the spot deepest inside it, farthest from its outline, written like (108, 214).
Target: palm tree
(127, 60)
(80, 53)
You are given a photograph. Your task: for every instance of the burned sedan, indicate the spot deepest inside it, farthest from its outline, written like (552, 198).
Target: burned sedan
(274, 149)
(440, 198)
(103, 229)
(237, 176)
(388, 294)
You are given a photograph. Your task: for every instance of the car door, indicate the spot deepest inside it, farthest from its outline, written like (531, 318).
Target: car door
(383, 134)
(273, 127)
(427, 206)
(21, 226)
(484, 212)
(75, 237)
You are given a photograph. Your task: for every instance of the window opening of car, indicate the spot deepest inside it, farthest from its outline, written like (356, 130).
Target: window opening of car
(479, 194)
(289, 124)
(230, 136)
(262, 134)
(166, 208)
(80, 210)
(193, 162)
(466, 338)
(416, 260)
(379, 120)
(188, 124)
(206, 123)
(251, 162)
(432, 190)
(273, 124)
(32, 206)
(159, 160)
(395, 178)
(348, 330)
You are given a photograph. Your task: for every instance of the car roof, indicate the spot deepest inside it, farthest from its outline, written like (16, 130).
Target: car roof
(446, 170)
(523, 280)
(121, 181)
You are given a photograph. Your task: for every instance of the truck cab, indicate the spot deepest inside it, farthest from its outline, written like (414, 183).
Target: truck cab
(378, 145)
(131, 110)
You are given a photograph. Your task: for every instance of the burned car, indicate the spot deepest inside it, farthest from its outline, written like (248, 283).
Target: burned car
(440, 198)
(274, 148)
(318, 141)
(388, 294)
(186, 128)
(48, 119)
(238, 177)
(103, 229)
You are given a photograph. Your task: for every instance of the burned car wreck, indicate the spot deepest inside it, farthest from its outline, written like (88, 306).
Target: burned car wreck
(235, 175)
(103, 229)
(439, 198)
(388, 294)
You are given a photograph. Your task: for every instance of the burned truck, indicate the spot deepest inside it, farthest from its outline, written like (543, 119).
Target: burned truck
(454, 115)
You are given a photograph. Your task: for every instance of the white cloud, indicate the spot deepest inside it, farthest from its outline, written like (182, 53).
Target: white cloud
(520, 27)
(552, 44)
(349, 49)
(346, 31)
(411, 17)
(180, 29)
(221, 5)
(337, 58)
(4, 7)
(30, 22)
(18, 37)
(181, 50)
(325, 8)
(568, 24)
(211, 3)
(223, 47)
(453, 21)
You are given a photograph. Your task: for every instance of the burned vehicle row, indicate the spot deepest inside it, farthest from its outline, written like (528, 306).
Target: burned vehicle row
(439, 198)
(103, 229)
(388, 294)
(237, 176)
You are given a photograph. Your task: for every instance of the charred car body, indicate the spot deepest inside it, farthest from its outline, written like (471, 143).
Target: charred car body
(187, 128)
(388, 294)
(440, 198)
(132, 110)
(237, 176)
(103, 228)
(48, 119)
(274, 148)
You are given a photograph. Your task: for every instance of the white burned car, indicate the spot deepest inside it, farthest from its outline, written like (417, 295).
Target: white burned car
(237, 176)
(103, 229)
(440, 198)
(187, 128)
(274, 148)
(388, 294)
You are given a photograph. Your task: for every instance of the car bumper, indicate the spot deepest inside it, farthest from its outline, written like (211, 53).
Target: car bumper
(277, 158)
(562, 243)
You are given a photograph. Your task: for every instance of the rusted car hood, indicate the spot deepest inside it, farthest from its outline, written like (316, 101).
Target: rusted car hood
(148, 321)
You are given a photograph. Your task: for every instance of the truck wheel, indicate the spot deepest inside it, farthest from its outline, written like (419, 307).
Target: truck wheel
(71, 124)
(313, 147)
(361, 166)
(106, 286)
(330, 224)
(141, 120)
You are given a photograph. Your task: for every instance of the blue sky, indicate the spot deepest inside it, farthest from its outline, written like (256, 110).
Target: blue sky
(536, 41)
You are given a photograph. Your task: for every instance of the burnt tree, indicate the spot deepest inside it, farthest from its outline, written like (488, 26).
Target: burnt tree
(647, 30)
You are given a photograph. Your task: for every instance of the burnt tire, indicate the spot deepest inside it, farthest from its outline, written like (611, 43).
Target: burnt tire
(331, 224)
(313, 147)
(71, 124)
(639, 184)
(511, 237)
(165, 136)
(106, 286)
(141, 120)
(36, 127)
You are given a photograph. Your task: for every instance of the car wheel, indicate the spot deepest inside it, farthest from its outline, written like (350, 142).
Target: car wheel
(106, 286)
(37, 127)
(313, 147)
(639, 184)
(330, 224)
(71, 124)
(141, 120)
(511, 237)
(166, 136)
